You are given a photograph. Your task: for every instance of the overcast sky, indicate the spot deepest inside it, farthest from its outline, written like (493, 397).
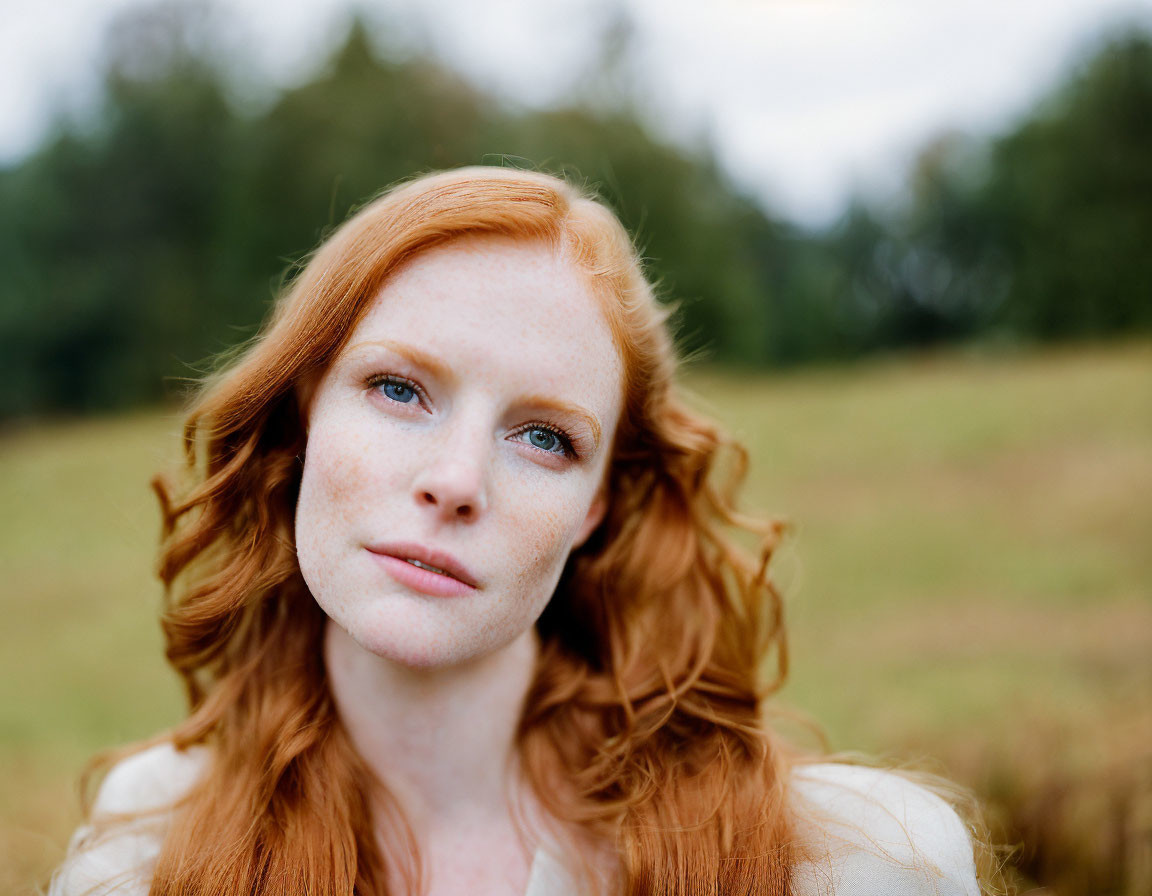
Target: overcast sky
(805, 100)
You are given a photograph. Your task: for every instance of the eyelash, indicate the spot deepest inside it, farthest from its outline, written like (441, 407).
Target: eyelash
(565, 440)
(382, 379)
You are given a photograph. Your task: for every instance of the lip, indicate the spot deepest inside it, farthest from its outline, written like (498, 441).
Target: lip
(395, 556)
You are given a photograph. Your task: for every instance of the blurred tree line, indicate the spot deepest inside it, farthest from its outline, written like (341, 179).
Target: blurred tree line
(140, 244)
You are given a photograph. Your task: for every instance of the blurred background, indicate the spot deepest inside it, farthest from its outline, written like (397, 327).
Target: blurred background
(911, 248)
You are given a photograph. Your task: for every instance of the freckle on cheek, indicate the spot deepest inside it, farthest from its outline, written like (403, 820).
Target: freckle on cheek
(544, 535)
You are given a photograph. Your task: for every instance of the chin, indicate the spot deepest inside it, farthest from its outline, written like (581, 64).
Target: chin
(418, 634)
(416, 651)
(415, 656)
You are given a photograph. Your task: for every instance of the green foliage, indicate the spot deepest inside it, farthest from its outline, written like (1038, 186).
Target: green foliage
(1044, 234)
(1039, 235)
(139, 246)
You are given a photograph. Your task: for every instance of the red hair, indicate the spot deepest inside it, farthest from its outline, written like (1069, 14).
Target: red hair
(642, 727)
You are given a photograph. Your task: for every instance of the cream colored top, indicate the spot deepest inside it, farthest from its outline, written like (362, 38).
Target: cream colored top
(867, 832)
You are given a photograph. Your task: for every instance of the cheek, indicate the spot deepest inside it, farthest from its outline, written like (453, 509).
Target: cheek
(339, 486)
(544, 537)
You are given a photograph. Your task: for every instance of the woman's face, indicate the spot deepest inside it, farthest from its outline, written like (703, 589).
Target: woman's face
(466, 426)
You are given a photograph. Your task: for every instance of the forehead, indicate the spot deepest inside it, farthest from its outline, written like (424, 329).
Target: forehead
(514, 304)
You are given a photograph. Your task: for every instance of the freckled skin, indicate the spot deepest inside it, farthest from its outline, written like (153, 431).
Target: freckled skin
(451, 472)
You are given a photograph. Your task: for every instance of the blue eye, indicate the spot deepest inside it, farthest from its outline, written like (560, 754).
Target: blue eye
(548, 440)
(398, 390)
(542, 438)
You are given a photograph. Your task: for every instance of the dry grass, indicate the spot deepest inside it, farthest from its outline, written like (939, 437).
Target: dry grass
(80, 662)
(969, 579)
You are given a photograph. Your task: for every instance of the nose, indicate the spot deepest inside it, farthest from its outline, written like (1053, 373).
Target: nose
(453, 485)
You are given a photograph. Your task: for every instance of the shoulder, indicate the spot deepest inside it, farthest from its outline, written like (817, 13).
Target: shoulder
(864, 831)
(114, 851)
(149, 780)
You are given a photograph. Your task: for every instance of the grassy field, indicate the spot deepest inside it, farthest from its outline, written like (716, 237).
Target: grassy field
(969, 578)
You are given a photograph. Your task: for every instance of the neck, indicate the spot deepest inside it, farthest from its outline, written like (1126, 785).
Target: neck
(441, 740)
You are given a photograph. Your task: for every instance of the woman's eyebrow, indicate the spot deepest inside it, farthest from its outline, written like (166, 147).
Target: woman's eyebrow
(416, 356)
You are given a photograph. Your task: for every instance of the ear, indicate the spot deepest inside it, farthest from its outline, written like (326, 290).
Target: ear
(595, 516)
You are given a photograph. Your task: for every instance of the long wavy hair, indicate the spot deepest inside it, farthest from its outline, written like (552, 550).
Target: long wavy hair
(642, 727)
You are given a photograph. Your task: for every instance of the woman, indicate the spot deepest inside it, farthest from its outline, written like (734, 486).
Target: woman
(451, 594)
